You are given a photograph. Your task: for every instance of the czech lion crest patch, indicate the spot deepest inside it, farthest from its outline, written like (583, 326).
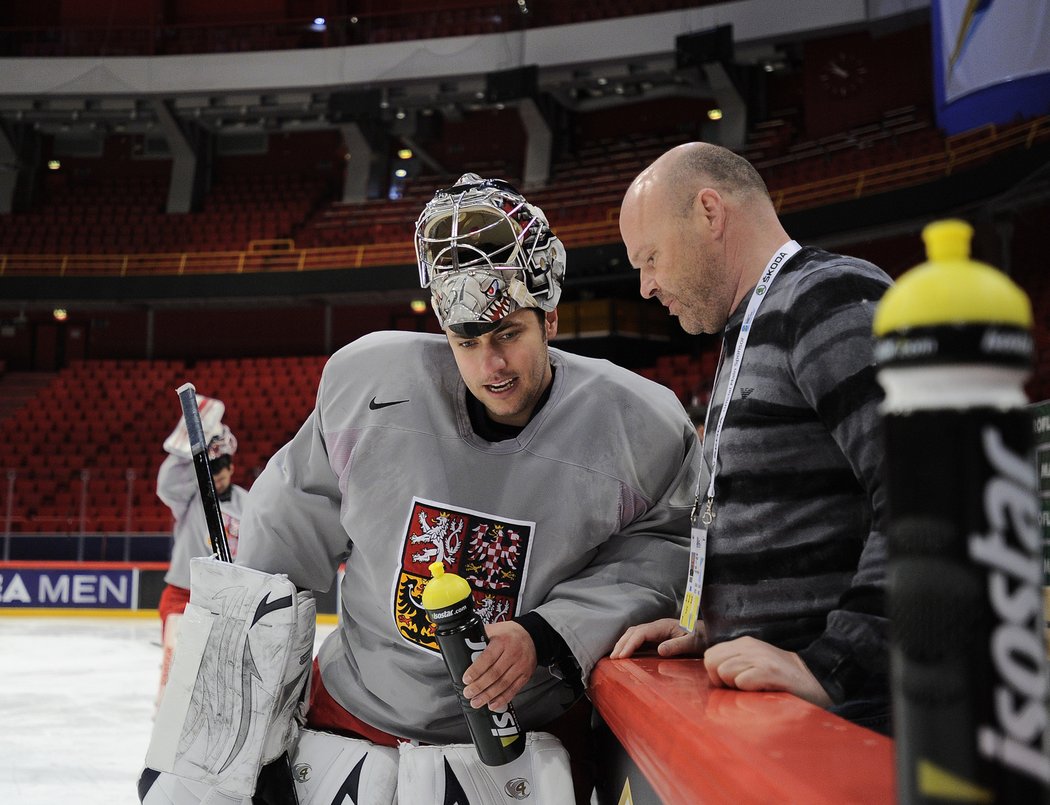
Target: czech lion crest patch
(490, 552)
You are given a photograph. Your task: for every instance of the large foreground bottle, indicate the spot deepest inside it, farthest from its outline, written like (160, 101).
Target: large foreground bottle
(461, 636)
(968, 661)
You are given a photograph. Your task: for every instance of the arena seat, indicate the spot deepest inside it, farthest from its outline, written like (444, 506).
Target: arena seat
(898, 149)
(63, 461)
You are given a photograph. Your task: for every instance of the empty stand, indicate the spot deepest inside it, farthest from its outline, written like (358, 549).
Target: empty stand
(689, 376)
(125, 215)
(281, 211)
(582, 200)
(83, 455)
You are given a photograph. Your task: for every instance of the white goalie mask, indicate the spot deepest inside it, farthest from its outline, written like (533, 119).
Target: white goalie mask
(485, 252)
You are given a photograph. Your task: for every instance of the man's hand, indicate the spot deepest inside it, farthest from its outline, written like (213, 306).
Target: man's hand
(503, 668)
(672, 639)
(750, 664)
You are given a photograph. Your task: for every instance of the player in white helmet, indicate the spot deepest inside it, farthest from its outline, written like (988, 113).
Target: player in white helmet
(558, 486)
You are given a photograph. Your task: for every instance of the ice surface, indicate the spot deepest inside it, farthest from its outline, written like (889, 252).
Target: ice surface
(76, 707)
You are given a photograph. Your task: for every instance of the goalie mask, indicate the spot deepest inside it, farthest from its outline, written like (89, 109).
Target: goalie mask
(485, 252)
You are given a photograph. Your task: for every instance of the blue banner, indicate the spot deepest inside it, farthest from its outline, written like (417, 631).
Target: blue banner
(68, 588)
(991, 61)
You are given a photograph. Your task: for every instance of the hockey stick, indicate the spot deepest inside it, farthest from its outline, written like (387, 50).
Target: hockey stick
(220, 546)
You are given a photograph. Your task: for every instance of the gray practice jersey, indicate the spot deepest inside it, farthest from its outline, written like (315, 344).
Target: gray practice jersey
(177, 487)
(583, 518)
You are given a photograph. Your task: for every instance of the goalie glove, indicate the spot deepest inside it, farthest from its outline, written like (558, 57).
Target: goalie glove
(237, 687)
(178, 442)
(453, 773)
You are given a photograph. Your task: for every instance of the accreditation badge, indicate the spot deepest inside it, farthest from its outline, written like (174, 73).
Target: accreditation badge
(695, 583)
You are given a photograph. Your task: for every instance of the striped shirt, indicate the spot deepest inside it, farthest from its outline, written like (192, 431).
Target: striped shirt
(796, 555)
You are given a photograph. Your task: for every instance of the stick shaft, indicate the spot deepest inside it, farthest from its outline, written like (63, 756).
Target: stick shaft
(199, 450)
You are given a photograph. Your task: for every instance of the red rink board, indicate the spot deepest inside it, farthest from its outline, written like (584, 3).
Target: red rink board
(696, 744)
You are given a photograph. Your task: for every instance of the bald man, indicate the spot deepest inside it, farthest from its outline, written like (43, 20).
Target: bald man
(792, 594)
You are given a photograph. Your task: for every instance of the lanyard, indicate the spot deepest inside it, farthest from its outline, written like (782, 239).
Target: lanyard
(698, 532)
(781, 256)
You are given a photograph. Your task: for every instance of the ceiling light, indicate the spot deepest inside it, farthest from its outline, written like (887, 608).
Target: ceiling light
(714, 114)
(404, 153)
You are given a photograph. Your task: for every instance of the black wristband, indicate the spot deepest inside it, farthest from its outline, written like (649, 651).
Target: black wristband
(550, 647)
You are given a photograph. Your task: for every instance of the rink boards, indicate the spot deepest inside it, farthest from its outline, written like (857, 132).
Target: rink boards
(104, 587)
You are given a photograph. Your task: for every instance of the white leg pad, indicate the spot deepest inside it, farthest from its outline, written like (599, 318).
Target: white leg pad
(453, 773)
(241, 664)
(329, 768)
(168, 789)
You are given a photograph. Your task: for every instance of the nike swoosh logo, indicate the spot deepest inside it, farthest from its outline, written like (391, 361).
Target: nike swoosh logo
(375, 406)
(266, 606)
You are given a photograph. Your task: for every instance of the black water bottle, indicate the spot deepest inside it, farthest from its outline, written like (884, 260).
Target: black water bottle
(967, 652)
(460, 634)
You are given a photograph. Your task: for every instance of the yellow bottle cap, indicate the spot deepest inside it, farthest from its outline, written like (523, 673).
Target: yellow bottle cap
(950, 288)
(444, 589)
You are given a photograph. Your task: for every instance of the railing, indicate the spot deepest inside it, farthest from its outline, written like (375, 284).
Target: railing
(697, 743)
(961, 151)
(228, 262)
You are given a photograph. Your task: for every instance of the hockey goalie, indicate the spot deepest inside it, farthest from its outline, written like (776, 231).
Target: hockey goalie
(558, 487)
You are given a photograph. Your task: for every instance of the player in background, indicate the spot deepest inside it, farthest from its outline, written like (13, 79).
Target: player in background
(177, 487)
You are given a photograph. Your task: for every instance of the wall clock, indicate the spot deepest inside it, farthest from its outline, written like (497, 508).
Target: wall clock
(843, 74)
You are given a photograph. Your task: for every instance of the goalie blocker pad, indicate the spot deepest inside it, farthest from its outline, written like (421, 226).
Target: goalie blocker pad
(236, 690)
(453, 773)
